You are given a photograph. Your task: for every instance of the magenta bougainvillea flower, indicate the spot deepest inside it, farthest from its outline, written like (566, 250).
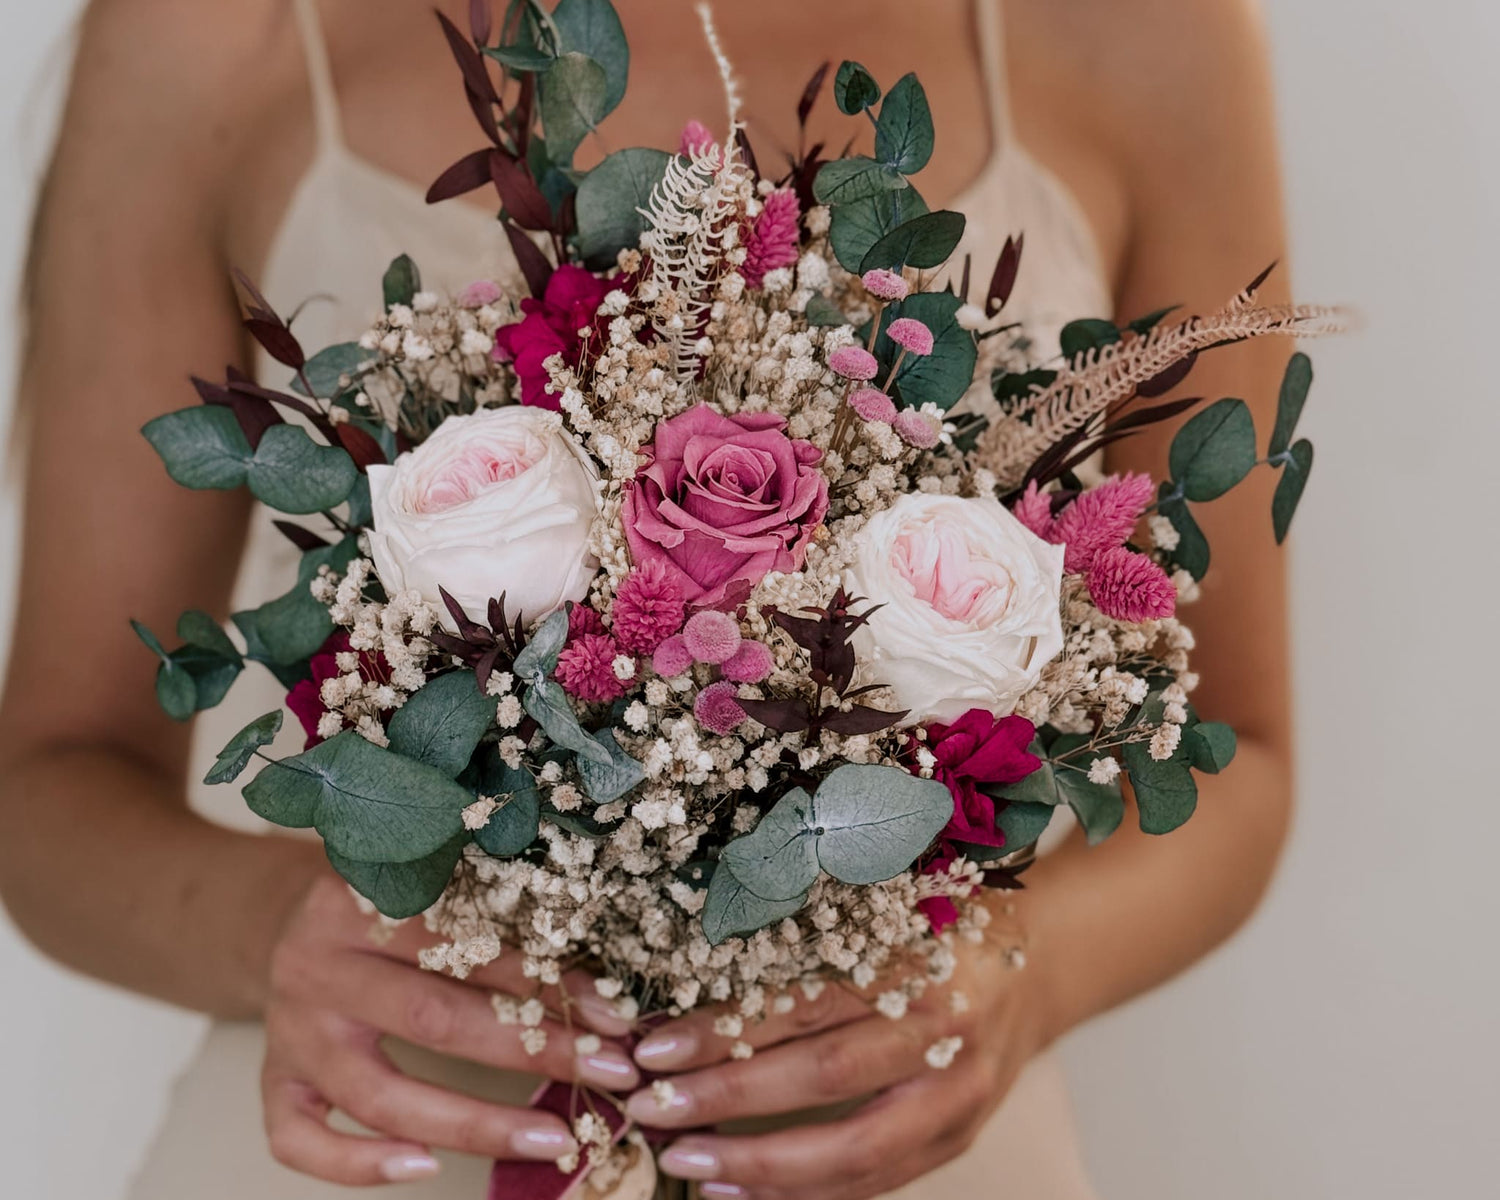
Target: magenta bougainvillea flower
(586, 668)
(884, 285)
(723, 501)
(873, 405)
(911, 335)
(773, 240)
(980, 748)
(648, 609)
(1130, 587)
(551, 326)
(718, 709)
(854, 362)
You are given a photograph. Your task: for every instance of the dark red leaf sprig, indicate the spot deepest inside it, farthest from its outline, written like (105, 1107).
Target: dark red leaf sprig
(484, 648)
(825, 635)
(804, 165)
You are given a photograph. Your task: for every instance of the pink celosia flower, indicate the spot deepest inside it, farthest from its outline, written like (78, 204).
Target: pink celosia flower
(649, 608)
(1034, 510)
(1130, 587)
(717, 708)
(854, 362)
(479, 293)
(695, 138)
(1100, 519)
(583, 620)
(916, 429)
(886, 285)
(773, 240)
(671, 658)
(711, 637)
(873, 405)
(751, 663)
(586, 668)
(910, 334)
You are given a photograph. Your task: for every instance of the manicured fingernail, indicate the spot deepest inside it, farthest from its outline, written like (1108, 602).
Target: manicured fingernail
(608, 1069)
(408, 1167)
(543, 1142)
(658, 1106)
(690, 1162)
(602, 1015)
(726, 1190)
(661, 1051)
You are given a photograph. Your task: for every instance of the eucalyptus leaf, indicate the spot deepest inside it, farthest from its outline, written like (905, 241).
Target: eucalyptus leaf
(844, 180)
(547, 704)
(201, 447)
(152, 642)
(402, 889)
(609, 201)
(592, 27)
(1099, 807)
(1211, 746)
(197, 628)
(514, 825)
(1290, 486)
(441, 724)
(526, 59)
(176, 691)
(872, 822)
(241, 748)
(1165, 792)
(212, 673)
(571, 102)
(1213, 451)
(943, 376)
(401, 282)
(368, 804)
(606, 784)
(854, 88)
(1022, 823)
(289, 629)
(731, 910)
(778, 859)
(1295, 384)
(539, 655)
(327, 369)
(294, 474)
(823, 311)
(903, 132)
(857, 226)
(579, 823)
(1192, 552)
(923, 242)
(288, 674)
(1089, 333)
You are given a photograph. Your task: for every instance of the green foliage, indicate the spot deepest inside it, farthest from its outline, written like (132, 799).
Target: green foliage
(1210, 746)
(844, 180)
(441, 724)
(1144, 325)
(1099, 807)
(571, 100)
(401, 281)
(523, 59)
(1022, 824)
(326, 369)
(402, 889)
(923, 242)
(1165, 792)
(903, 133)
(943, 376)
(197, 628)
(547, 704)
(241, 748)
(539, 655)
(513, 826)
(823, 311)
(294, 474)
(1295, 384)
(1290, 486)
(592, 28)
(1213, 451)
(730, 909)
(607, 783)
(1089, 333)
(287, 630)
(1192, 552)
(202, 447)
(854, 88)
(857, 226)
(197, 675)
(610, 199)
(369, 804)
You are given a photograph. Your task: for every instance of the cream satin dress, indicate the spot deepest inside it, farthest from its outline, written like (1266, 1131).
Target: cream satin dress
(345, 222)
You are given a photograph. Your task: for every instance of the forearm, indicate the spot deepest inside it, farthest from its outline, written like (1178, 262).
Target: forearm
(1105, 923)
(111, 874)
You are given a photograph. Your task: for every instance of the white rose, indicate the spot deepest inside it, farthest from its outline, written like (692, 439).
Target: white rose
(499, 501)
(970, 596)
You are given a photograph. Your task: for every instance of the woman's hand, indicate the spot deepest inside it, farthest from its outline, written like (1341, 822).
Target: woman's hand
(837, 1048)
(335, 993)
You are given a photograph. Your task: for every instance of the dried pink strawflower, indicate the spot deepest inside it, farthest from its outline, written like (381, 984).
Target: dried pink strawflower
(671, 658)
(479, 293)
(886, 285)
(917, 429)
(1034, 510)
(718, 709)
(774, 238)
(1130, 587)
(1100, 519)
(873, 405)
(711, 637)
(911, 335)
(649, 608)
(854, 362)
(586, 668)
(695, 139)
(583, 620)
(751, 663)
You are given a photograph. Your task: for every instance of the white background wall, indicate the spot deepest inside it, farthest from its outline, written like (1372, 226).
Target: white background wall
(1345, 1044)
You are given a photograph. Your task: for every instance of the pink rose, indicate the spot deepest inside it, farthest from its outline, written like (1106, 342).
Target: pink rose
(724, 501)
(551, 326)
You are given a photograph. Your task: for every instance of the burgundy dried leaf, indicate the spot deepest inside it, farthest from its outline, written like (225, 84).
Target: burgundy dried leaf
(470, 172)
(747, 153)
(1161, 384)
(523, 200)
(278, 341)
(1003, 281)
(496, 613)
(254, 414)
(303, 539)
(259, 306)
(467, 629)
(535, 268)
(521, 115)
(484, 113)
(476, 76)
(479, 21)
(361, 447)
(1149, 416)
(449, 644)
(963, 285)
(810, 93)
(802, 630)
(784, 716)
(484, 666)
(860, 720)
(1254, 285)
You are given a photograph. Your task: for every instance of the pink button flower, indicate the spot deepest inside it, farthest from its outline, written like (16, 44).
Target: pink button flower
(854, 362)
(911, 335)
(885, 285)
(873, 405)
(711, 637)
(916, 429)
(751, 663)
(717, 708)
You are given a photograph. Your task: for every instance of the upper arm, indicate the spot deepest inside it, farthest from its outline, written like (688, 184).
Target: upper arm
(129, 295)
(1191, 121)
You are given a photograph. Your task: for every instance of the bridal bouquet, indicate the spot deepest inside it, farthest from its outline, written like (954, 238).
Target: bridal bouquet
(733, 609)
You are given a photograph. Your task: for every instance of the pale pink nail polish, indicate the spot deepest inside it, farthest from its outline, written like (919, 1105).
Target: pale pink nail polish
(691, 1162)
(542, 1143)
(602, 1015)
(647, 1108)
(722, 1191)
(407, 1167)
(608, 1069)
(666, 1050)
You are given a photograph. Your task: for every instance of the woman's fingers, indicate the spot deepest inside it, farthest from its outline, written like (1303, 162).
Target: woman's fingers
(849, 1061)
(297, 1129)
(693, 1041)
(459, 1020)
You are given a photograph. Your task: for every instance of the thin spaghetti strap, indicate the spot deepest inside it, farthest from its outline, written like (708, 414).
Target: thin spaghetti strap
(991, 22)
(319, 73)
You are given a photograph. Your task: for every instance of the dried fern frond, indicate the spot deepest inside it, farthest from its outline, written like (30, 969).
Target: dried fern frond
(1087, 388)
